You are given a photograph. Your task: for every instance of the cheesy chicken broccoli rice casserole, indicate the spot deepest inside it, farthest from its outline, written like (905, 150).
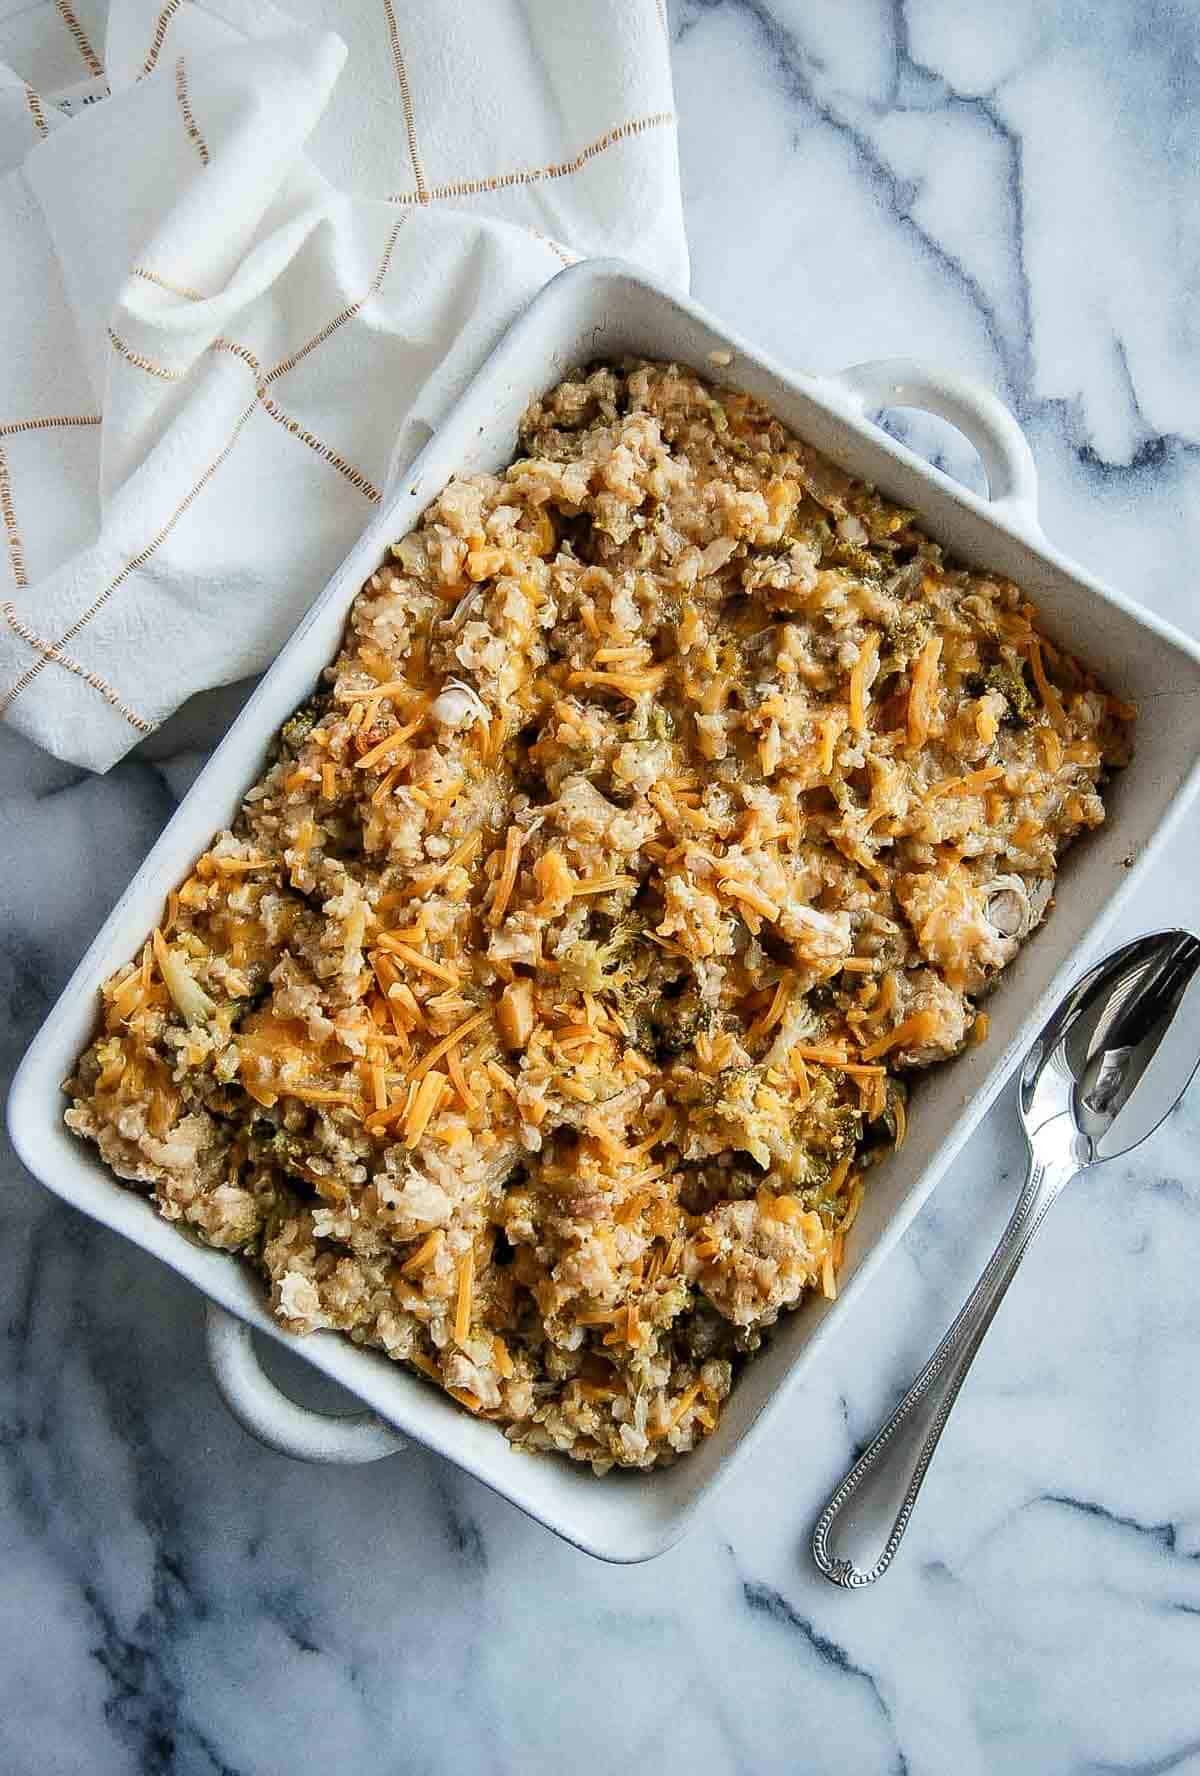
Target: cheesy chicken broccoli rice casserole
(672, 799)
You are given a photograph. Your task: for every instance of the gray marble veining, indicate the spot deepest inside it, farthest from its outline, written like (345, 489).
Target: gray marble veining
(1012, 191)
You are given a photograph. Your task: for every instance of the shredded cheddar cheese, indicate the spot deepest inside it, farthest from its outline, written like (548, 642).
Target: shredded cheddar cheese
(422, 1108)
(465, 1297)
(971, 784)
(424, 1254)
(750, 896)
(1046, 691)
(508, 875)
(627, 684)
(441, 971)
(867, 655)
(910, 1032)
(921, 689)
(391, 744)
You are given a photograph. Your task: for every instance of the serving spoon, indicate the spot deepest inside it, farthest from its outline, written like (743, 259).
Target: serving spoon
(1092, 1087)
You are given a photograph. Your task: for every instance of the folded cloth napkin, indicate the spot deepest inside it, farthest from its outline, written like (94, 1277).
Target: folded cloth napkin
(246, 263)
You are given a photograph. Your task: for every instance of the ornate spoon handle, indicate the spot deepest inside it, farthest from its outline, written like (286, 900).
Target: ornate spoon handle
(860, 1528)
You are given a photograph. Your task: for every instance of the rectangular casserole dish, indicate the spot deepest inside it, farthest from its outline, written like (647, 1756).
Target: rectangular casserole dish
(605, 310)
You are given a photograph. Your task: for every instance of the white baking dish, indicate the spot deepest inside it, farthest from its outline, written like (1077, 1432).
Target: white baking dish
(603, 310)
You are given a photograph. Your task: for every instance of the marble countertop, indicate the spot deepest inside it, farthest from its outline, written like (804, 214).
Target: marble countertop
(1011, 191)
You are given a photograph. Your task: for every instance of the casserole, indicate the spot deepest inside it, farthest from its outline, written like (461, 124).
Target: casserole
(589, 311)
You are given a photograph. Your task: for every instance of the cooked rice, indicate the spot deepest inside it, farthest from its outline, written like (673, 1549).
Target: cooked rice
(672, 797)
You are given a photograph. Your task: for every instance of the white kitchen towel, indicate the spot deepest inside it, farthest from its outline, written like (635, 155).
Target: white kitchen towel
(247, 259)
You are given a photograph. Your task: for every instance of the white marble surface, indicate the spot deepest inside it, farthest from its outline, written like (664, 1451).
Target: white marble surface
(1013, 191)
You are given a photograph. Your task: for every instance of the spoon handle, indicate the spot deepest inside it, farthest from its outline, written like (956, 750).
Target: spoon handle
(860, 1528)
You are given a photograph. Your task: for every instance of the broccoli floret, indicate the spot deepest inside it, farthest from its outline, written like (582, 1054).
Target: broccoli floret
(855, 556)
(586, 966)
(240, 1009)
(677, 1023)
(649, 722)
(908, 632)
(289, 1154)
(881, 518)
(298, 727)
(1009, 681)
(589, 964)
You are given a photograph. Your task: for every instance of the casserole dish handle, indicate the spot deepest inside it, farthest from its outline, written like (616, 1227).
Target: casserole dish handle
(972, 409)
(267, 1413)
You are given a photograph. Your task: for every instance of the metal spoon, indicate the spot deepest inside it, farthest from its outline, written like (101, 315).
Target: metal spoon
(1088, 1092)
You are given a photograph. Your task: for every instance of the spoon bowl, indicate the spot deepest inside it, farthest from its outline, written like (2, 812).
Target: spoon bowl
(1092, 1061)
